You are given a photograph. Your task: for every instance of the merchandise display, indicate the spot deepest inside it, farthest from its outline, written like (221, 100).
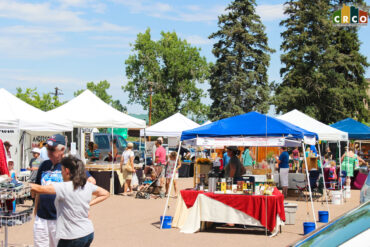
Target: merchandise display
(11, 190)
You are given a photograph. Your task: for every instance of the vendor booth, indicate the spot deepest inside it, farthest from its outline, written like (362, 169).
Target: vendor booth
(243, 202)
(171, 127)
(324, 132)
(20, 121)
(89, 111)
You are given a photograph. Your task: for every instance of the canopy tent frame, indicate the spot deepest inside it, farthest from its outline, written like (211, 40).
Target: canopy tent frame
(234, 129)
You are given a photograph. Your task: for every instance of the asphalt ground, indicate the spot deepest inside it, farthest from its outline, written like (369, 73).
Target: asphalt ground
(126, 221)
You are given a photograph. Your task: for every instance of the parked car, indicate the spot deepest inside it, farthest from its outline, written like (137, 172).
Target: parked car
(104, 144)
(350, 229)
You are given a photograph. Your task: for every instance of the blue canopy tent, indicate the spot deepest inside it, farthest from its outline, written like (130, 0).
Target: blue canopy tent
(356, 130)
(252, 124)
(251, 129)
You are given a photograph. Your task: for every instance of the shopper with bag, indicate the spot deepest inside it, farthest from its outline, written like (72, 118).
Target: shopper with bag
(127, 167)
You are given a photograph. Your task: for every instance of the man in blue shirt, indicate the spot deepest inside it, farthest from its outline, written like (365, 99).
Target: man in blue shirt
(44, 231)
(283, 161)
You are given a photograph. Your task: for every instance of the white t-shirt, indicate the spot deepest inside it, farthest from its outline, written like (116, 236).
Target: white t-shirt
(73, 209)
(126, 155)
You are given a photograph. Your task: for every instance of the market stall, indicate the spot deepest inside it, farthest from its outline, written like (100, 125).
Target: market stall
(19, 120)
(80, 112)
(251, 129)
(324, 132)
(170, 127)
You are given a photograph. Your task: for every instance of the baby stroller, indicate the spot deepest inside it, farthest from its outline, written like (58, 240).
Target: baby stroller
(150, 186)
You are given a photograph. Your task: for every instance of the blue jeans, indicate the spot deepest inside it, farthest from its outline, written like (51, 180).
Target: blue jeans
(78, 242)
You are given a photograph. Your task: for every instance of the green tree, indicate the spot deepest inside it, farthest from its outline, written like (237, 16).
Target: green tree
(100, 90)
(323, 72)
(239, 81)
(45, 102)
(169, 69)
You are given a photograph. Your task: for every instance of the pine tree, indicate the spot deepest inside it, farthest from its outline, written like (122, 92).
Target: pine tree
(323, 72)
(239, 81)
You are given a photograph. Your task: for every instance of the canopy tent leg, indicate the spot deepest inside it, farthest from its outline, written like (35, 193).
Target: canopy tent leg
(112, 180)
(144, 147)
(309, 185)
(170, 188)
(340, 168)
(323, 177)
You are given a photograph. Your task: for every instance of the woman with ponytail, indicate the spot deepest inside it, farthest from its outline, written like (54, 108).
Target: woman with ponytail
(73, 201)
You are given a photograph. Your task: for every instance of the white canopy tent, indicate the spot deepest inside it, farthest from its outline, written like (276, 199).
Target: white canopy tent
(89, 111)
(325, 132)
(17, 114)
(18, 117)
(172, 126)
(207, 122)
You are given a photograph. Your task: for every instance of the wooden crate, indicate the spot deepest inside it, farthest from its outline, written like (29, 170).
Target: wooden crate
(311, 163)
(201, 169)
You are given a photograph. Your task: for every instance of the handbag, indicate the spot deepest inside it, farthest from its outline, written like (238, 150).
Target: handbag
(128, 167)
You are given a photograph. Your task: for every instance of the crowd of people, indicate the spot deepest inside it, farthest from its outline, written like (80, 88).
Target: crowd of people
(63, 193)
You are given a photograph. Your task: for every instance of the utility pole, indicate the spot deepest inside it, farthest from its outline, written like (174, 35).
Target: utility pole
(57, 92)
(150, 105)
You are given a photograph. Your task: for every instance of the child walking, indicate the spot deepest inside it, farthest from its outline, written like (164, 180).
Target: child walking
(170, 167)
(332, 174)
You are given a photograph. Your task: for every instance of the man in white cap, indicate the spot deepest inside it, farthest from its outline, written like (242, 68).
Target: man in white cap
(34, 164)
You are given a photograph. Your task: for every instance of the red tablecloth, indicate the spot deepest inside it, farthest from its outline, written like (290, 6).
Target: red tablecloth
(253, 205)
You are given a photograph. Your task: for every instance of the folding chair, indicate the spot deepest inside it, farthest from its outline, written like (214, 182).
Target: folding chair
(313, 177)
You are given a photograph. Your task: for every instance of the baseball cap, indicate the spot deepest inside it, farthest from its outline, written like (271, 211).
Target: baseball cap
(55, 140)
(35, 150)
(10, 160)
(160, 139)
(7, 144)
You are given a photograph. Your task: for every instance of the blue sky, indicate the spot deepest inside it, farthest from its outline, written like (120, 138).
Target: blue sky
(66, 43)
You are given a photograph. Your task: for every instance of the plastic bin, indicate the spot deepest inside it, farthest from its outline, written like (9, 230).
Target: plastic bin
(308, 227)
(336, 197)
(167, 222)
(290, 211)
(324, 216)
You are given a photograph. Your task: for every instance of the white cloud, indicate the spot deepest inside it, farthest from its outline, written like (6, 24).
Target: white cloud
(187, 13)
(198, 40)
(95, 5)
(270, 12)
(57, 19)
(139, 6)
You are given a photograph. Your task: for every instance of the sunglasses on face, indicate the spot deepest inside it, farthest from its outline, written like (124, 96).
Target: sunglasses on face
(51, 149)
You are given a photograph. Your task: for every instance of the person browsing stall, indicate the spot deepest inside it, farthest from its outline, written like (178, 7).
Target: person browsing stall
(34, 164)
(283, 163)
(44, 151)
(160, 161)
(225, 157)
(127, 167)
(49, 172)
(73, 198)
(234, 169)
(248, 158)
(170, 170)
(7, 146)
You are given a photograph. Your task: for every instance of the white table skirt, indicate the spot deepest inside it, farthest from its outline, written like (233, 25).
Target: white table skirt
(208, 209)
